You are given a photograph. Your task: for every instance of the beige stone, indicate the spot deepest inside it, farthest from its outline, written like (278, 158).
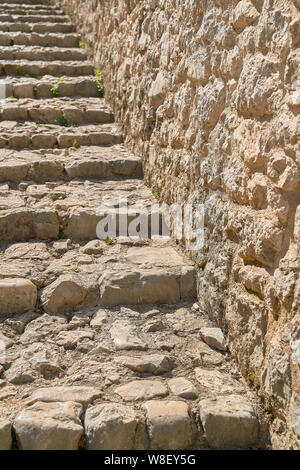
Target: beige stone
(229, 422)
(217, 382)
(155, 364)
(170, 426)
(142, 390)
(214, 337)
(17, 296)
(183, 388)
(78, 394)
(125, 336)
(113, 426)
(5, 434)
(49, 426)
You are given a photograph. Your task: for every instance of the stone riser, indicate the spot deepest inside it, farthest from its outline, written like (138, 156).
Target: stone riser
(77, 87)
(26, 224)
(28, 2)
(34, 19)
(23, 68)
(37, 27)
(18, 53)
(36, 39)
(67, 140)
(41, 170)
(54, 115)
(27, 10)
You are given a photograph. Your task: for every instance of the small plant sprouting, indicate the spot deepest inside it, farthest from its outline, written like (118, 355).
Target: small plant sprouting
(62, 236)
(42, 155)
(64, 121)
(156, 195)
(111, 241)
(75, 269)
(75, 144)
(54, 91)
(12, 41)
(19, 71)
(35, 90)
(81, 44)
(99, 83)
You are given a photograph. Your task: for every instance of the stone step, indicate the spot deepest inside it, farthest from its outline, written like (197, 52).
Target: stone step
(64, 111)
(25, 7)
(41, 28)
(112, 275)
(28, 10)
(8, 18)
(76, 207)
(85, 163)
(29, 135)
(44, 54)
(36, 39)
(28, 2)
(34, 88)
(40, 68)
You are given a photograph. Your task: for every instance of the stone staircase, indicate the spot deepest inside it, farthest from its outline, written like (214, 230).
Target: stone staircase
(105, 345)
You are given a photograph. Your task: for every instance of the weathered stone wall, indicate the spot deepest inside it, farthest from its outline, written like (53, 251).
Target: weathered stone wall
(206, 92)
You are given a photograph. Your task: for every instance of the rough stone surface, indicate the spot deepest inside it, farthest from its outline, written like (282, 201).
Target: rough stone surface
(142, 390)
(229, 422)
(17, 296)
(183, 388)
(113, 427)
(5, 434)
(170, 426)
(82, 395)
(49, 426)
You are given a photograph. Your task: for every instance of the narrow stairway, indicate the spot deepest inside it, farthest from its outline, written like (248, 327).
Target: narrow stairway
(103, 343)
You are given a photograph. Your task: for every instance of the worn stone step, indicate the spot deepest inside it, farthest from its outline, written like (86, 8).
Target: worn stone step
(38, 53)
(79, 205)
(30, 135)
(34, 18)
(41, 28)
(86, 162)
(46, 86)
(41, 68)
(28, 2)
(64, 111)
(117, 275)
(26, 6)
(36, 39)
(28, 10)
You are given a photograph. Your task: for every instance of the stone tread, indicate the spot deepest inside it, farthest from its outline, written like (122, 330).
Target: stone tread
(40, 68)
(10, 18)
(42, 27)
(36, 39)
(71, 206)
(86, 162)
(41, 136)
(28, 10)
(49, 111)
(28, 87)
(39, 53)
